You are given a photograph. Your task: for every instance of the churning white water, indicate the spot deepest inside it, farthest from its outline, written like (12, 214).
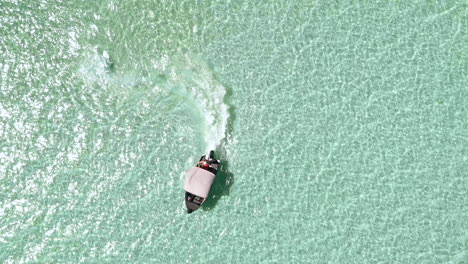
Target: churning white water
(193, 82)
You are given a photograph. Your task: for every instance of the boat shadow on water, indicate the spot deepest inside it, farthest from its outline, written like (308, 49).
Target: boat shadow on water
(221, 186)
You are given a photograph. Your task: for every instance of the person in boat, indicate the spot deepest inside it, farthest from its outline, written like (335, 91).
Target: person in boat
(211, 164)
(203, 164)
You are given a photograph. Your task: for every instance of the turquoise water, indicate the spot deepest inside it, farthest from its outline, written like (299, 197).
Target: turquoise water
(342, 128)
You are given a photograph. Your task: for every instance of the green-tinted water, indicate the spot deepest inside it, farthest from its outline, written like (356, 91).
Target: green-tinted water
(342, 126)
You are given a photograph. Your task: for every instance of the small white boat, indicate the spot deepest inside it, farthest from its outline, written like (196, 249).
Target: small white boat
(199, 180)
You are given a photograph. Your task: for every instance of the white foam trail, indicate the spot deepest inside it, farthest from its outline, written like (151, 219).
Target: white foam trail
(186, 76)
(195, 81)
(94, 69)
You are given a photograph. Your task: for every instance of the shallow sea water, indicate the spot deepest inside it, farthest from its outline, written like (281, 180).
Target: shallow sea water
(342, 130)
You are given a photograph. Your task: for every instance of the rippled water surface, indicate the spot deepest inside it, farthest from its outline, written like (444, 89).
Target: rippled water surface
(342, 130)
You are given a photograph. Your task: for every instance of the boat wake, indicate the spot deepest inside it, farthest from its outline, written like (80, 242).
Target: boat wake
(183, 80)
(190, 79)
(97, 68)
